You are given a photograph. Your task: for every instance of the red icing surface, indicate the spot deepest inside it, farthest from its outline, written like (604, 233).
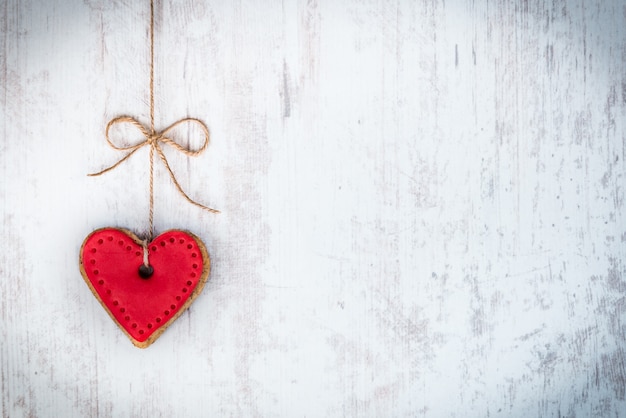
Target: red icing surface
(111, 259)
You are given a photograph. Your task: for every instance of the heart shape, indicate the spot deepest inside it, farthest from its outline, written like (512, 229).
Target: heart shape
(143, 307)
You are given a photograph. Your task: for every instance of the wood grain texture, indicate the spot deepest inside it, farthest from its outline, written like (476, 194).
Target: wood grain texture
(422, 206)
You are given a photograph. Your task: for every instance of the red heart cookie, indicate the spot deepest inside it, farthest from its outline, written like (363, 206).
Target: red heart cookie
(143, 304)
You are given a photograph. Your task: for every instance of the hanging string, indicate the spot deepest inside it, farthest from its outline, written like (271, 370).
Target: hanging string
(154, 138)
(152, 131)
(152, 67)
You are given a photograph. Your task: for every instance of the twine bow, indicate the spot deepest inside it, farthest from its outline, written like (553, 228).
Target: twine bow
(152, 139)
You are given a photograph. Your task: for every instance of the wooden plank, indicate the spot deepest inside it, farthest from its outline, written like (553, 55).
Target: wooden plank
(422, 207)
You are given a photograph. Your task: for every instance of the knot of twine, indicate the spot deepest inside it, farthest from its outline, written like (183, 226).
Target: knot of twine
(153, 140)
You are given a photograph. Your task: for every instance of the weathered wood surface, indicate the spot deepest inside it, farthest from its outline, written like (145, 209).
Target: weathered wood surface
(422, 207)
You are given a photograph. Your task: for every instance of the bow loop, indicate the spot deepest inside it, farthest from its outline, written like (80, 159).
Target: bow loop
(126, 120)
(189, 152)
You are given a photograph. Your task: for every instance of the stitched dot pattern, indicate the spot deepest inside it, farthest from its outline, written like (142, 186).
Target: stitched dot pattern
(118, 300)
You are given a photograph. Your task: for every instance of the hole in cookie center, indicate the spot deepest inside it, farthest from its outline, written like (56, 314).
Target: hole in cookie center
(145, 271)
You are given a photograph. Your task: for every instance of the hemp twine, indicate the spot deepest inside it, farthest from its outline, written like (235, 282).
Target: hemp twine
(153, 138)
(144, 244)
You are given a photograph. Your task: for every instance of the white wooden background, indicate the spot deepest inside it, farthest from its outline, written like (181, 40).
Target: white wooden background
(422, 207)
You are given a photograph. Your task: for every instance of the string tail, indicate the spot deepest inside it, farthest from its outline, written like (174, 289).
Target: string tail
(178, 187)
(106, 170)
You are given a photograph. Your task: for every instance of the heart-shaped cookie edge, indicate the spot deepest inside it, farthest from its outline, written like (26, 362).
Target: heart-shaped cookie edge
(206, 269)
